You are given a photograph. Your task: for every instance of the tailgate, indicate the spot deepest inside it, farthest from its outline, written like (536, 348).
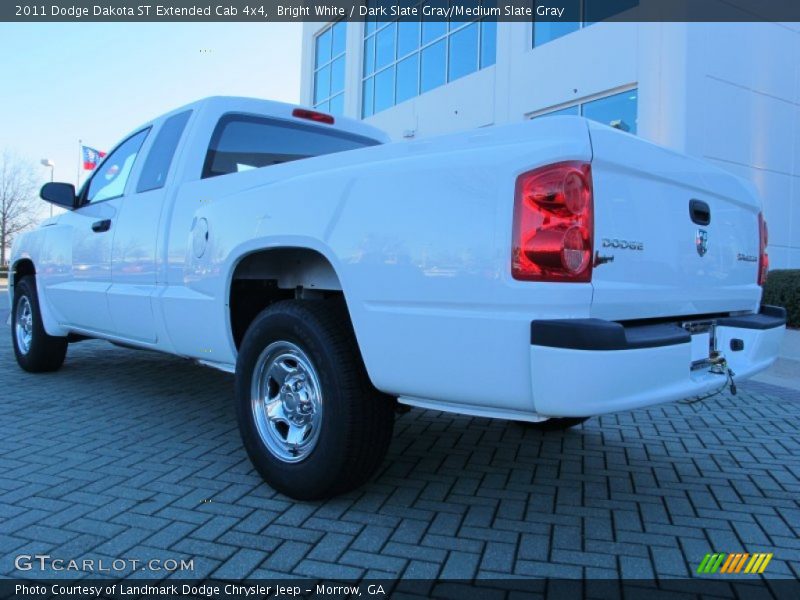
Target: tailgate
(670, 258)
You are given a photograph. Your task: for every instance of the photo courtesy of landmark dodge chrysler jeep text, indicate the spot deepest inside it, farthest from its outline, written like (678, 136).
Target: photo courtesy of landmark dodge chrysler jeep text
(543, 272)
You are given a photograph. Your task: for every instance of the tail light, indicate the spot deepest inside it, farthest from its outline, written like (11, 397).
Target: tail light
(552, 238)
(763, 257)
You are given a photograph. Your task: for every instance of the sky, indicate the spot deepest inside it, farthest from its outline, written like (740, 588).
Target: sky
(96, 82)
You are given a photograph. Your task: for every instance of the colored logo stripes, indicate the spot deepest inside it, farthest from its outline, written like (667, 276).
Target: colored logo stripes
(734, 563)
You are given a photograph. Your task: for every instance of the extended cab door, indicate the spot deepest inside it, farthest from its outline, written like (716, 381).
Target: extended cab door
(78, 295)
(134, 263)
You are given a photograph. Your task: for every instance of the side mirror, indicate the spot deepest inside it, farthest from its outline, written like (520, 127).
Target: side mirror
(60, 194)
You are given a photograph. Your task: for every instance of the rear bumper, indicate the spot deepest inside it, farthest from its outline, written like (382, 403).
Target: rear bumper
(585, 367)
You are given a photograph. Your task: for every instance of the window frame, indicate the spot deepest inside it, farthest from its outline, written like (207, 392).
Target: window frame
(188, 116)
(370, 32)
(84, 193)
(588, 100)
(329, 65)
(582, 23)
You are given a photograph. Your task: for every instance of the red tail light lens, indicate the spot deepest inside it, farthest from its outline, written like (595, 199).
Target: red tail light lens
(553, 228)
(763, 257)
(313, 115)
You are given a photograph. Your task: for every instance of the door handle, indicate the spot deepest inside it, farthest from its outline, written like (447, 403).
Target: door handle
(100, 226)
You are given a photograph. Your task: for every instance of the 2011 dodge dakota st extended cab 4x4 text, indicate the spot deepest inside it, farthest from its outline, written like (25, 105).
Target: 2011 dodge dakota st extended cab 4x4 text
(544, 272)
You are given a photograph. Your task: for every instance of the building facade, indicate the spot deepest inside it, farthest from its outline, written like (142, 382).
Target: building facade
(725, 92)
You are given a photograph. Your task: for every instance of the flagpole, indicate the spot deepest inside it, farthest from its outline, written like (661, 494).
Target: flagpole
(80, 159)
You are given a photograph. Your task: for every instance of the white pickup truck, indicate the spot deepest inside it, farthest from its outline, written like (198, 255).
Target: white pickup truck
(543, 272)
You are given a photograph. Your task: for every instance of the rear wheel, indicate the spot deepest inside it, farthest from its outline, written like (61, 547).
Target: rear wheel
(558, 424)
(311, 421)
(35, 350)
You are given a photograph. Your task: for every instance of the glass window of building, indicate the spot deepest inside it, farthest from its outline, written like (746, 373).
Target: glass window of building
(403, 59)
(329, 57)
(574, 111)
(618, 110)
(434, 64)
(463, 52)
(578, 14)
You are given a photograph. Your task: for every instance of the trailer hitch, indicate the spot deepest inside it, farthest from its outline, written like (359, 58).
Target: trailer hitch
(719, 366)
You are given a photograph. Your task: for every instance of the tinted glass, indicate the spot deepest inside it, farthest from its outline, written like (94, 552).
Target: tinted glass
(408, 78)
(339, 38)
(243, 142)
(370, 24)
(159, 159)
(547, 31)
(619, 110)
(433, 66)
(463, 52)
(330, 46)
(407, 37)
(384, 89)
(112, 175)
(434, 29)
(337, 75)
(569, 110)
(368, 97)
(435, 50)
(324, 47)
(369, 55)
(384, 46)
(597, 10)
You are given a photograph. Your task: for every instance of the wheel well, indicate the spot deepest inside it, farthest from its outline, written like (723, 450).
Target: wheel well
(23, 268)
(268, 276)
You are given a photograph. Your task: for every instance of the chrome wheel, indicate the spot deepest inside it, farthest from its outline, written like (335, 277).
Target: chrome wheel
(23, 328)
(286, 401)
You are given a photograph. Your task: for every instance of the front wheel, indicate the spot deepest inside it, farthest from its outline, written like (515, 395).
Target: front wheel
(35, 350)
(311, 421)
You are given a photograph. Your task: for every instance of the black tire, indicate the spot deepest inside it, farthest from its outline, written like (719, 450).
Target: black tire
(44, 352)
(357, 420)
(558, 424)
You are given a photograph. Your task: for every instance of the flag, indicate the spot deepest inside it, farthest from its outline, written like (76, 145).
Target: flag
(91, 157)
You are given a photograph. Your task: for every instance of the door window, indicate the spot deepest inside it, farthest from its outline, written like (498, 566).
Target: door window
(111, 176)
(159, 158)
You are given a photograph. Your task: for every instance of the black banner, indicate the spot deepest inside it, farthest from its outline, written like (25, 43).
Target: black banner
(386, 10)
(718, 586)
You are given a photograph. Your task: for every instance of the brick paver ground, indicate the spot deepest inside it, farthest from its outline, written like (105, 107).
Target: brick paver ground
(126, 454)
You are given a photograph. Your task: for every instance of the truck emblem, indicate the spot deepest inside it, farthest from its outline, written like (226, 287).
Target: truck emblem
(701, 242)
(623, 244)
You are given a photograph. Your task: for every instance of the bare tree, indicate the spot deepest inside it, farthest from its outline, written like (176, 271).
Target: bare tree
(17, 197)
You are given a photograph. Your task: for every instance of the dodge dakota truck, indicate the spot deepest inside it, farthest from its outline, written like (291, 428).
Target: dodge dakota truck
(543, 272)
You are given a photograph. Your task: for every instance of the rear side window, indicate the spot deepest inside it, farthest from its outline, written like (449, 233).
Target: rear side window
(243, 142)
(159, 159)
